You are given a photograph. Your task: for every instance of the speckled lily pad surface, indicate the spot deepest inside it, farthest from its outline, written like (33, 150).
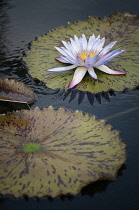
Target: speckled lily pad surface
(121, 27)
(58, 152)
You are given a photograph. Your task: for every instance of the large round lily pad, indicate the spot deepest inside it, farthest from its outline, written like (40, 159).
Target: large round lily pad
(120, 27)
(52, 152)
(15, 91)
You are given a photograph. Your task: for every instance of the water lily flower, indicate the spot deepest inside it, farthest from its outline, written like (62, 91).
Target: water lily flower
(85, 55)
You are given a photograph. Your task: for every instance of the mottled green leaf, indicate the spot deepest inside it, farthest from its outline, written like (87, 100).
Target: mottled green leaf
(15, 91)
(58, 152)
(121, 27)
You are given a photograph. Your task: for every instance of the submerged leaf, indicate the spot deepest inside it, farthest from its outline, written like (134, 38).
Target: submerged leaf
(58, 152)
(121, 27)
(15, 91)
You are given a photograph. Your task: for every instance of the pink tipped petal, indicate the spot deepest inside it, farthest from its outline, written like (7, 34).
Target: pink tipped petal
(61, 59)
(92, 72)
(62, 68)
(115, 54)
(108, 70)
(78, 76)
(105, 60)
(108, 57)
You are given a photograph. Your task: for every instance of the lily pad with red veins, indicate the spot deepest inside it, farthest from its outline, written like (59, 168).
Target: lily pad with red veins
(122, 27)
(56, 152)
(12, 90)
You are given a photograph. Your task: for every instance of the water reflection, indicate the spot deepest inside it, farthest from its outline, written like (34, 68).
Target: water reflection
(9, 58)
(4, 21)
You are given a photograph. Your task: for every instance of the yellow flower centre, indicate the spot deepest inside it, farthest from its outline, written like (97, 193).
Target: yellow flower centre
(83, 54)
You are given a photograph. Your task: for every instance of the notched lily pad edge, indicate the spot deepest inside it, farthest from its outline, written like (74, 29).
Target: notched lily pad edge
(70, 195)
(67, 195)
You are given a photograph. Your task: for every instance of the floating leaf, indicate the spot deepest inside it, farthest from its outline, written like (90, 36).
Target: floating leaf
(15, 91)
(121, 27)
(58, 152)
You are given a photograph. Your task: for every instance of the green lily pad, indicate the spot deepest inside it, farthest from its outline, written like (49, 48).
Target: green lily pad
(11, 90)
(121, 27)
(54, 152)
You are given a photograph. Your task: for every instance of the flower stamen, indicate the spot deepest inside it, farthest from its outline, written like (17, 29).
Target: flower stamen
(83, 54)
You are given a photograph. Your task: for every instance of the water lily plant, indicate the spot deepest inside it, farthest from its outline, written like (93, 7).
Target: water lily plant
(85, 55)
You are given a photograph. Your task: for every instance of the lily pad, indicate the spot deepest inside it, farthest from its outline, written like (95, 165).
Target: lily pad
(54, 152)
(122, 27)
(12, 90)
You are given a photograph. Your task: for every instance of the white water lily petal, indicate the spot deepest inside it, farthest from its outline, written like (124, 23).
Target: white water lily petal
(74, 46)
(100, 45)
(77, 42)
(62, 68)
(100, 63)
(80, 62)
(78, 76)
(68, 49)
(95, 45)
(62, 59)
(66, 45)
(94, 59)
(108, 57)
(107, 48)
(92, 73)
(91, 61)
(108, 70)
(72, 50)
(91, 42)
(69, 53)
(61, 51)
(109, 54)
(115, 54)
(87, 60)
(84, 42)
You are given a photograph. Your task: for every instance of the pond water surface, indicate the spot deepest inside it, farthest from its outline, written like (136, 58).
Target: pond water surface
(20, 22)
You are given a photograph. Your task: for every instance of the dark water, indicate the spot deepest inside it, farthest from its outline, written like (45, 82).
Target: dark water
(20, 22)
